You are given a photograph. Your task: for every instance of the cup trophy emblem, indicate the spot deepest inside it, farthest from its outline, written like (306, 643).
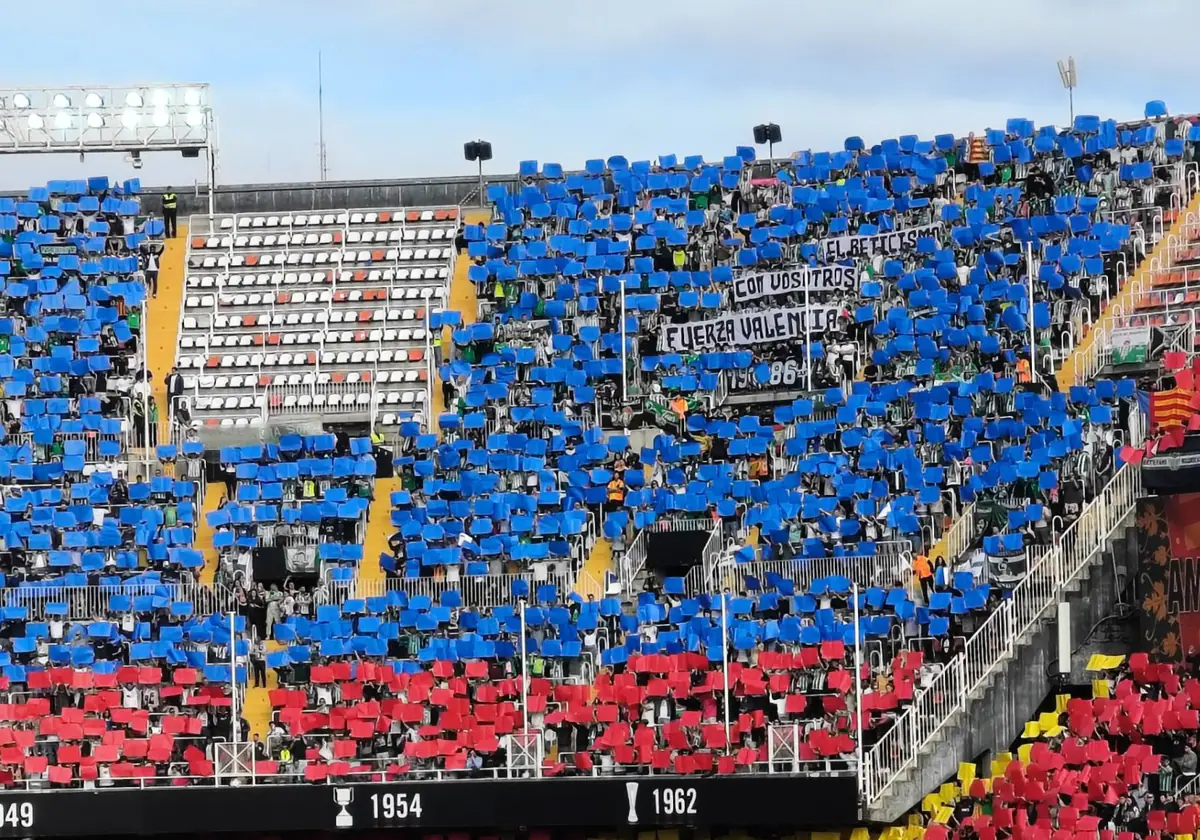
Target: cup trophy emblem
(343, 797)
(631, 789)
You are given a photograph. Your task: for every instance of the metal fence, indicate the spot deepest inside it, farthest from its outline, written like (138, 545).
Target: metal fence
(84, 602)
(476, 590)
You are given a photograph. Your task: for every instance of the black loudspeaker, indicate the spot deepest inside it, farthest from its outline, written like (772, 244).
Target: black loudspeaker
(477, 150)
(768, 133)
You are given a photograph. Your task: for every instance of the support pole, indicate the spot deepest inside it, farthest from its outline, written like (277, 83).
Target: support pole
(858, 747)
(725, 661)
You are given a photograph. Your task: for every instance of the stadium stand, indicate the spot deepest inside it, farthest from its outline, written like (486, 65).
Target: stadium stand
(932, 292)
(651, 282)
(312, 312)
(307, 495)
(1120, 763)
(106, 666)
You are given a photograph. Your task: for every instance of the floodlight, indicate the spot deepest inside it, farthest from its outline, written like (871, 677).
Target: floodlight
(128, 119)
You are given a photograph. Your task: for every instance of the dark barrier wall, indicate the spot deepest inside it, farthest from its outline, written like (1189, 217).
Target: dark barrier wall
(669, 551)
(328, 195)
(791, 802)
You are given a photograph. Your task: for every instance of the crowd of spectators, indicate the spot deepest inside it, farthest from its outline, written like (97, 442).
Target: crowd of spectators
(635, 294)
(1122, 761)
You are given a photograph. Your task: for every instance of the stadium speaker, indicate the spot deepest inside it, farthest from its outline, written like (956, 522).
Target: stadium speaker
(480, 150)
(767, 133)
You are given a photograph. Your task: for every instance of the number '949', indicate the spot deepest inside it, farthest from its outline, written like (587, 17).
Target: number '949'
(16, 815)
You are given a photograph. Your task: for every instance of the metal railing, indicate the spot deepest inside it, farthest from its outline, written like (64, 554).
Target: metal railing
(997, 638)
(961, 536)
(476, 590)
(1093, 356)
(881, 570)
(633, 561)
(83, 602)
(318, 398)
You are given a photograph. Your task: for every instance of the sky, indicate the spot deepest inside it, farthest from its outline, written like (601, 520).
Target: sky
(406, 82)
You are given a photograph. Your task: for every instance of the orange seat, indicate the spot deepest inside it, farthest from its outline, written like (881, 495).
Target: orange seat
(198, 241)
(452, 213)
(337, 236)
(273, 338)
(337, 377)
(341, 295)
(360, 335)
(416, 354)
(365, 315)
(377, 256)
(252, 259)
(385, 216)
(212, 361)
(360, 275)
(413, 216)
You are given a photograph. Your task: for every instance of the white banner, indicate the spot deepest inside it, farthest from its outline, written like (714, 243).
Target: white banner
(831, 278)
(741, 328)
(881, 244)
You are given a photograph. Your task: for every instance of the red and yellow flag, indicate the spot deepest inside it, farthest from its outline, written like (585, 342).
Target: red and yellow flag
(1170, 408)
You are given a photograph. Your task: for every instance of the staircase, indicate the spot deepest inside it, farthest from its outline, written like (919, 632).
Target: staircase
(591, 580)
(372, 580)
(162, 317)
(1093, 355)
(460, 297)
(936, 731)
(972, 694)
(204, 535)
(256, 703)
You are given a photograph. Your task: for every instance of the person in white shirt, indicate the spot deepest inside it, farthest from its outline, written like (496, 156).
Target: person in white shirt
(131, 697)
(152, 273)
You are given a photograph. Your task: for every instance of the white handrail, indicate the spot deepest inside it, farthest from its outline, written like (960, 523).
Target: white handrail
(997, 638)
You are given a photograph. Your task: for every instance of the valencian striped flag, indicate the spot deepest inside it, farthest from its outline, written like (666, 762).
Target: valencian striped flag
(1170, 408)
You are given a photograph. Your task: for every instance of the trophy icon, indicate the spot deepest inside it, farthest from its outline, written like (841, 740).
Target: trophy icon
(343, 797)
(631, 789)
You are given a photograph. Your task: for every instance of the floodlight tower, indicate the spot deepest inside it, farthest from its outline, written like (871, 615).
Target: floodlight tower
(129, 119)
(1066, 72)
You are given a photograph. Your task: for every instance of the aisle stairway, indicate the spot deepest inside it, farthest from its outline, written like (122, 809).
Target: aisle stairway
(461, 297)
(162, 318)
(1082, 361)
(371, 576)
(256, 706)
(204, 534)
(595, 570)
